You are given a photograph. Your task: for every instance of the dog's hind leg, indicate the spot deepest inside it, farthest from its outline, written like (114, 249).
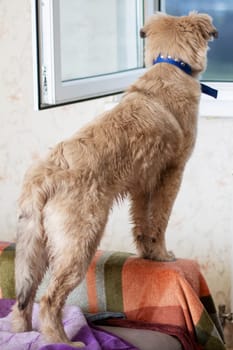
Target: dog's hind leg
(73, 237)
(66, 275)
(30, 266)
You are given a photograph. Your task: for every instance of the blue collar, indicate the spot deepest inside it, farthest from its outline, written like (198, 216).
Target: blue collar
(185, 67)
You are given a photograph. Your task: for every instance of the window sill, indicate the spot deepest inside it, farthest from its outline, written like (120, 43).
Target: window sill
(222, 106)
(209, 107)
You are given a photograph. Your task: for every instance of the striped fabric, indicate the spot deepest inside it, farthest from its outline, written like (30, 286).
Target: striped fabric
(7, 254)
(170, 294)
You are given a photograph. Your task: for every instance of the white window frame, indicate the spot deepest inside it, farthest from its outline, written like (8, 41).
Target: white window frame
(49, 89)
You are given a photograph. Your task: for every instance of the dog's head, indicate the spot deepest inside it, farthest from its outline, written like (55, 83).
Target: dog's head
(185, 38)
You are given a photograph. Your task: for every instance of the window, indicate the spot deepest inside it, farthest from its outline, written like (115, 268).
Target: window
(219, 71)
(220, 57)
(87, 49)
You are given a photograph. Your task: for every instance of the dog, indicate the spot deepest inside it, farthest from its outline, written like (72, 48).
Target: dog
(139, 148)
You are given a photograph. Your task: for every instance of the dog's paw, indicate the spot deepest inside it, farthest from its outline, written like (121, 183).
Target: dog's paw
(20, 322)
(168, 256)
(161, 256)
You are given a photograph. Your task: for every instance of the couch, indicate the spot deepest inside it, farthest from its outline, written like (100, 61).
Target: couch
(152, 305)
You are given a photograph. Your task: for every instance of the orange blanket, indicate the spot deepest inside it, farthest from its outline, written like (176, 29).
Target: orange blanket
(172, 297)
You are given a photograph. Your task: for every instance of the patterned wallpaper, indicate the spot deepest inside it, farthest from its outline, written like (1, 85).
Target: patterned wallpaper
(201, 223)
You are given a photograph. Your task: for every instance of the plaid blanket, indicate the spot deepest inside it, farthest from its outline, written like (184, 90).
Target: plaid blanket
(172, 297)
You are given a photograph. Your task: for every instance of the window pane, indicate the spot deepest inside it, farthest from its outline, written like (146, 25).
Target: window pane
(99, 37)
(220, 56)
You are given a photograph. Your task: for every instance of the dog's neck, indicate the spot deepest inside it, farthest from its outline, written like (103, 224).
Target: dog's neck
(185, 67)
(175, 62)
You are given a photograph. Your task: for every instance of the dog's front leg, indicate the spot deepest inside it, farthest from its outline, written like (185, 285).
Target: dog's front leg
(139, 215)
(145, 239)
(160, 207)
(151, 244)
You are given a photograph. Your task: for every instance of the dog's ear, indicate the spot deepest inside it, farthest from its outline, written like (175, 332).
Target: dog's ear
(205, 25)
(148, 27)
(142, 33)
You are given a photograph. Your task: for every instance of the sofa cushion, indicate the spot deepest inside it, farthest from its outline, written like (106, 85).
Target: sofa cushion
(145, 339)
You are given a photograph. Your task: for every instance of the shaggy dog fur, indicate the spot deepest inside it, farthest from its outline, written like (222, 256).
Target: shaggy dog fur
(139, 148)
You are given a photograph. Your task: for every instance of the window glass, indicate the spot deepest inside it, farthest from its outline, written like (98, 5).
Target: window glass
(99, 37)
(220, 56)
(87, 49)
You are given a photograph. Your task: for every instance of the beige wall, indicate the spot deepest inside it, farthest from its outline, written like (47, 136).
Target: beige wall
(201, 223)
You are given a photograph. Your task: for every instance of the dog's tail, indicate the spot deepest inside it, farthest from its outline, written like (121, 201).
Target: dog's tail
(40, 184)
(42, 181)
(31, 259)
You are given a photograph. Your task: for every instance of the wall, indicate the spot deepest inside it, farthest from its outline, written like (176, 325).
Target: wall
(201, 224)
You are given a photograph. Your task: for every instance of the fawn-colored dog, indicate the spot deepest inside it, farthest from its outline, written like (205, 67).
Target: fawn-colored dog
(139, 149)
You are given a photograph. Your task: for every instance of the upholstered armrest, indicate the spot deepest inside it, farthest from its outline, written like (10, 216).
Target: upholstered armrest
(171, 297)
